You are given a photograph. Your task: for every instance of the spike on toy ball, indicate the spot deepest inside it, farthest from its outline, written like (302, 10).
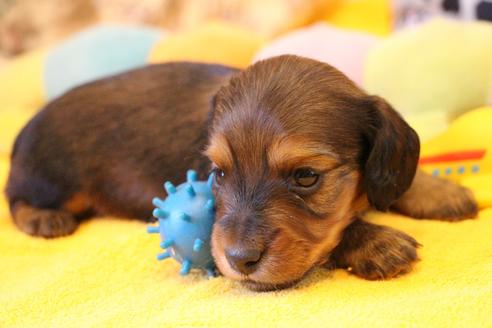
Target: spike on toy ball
(185, 221)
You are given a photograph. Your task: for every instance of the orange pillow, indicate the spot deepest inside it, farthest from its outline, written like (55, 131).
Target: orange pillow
(211, 43)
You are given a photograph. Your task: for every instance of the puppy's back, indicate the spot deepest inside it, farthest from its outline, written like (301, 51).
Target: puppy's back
(107, 146)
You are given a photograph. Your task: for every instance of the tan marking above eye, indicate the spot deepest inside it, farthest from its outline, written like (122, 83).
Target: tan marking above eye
(219, 153)
(289, 153)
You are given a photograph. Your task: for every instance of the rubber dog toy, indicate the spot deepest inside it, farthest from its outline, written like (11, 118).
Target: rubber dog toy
(185, 221)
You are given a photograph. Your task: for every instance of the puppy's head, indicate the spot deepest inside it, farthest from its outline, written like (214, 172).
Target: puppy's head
(297, 151)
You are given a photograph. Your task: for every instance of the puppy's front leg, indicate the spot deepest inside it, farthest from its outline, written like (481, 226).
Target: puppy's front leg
(374, 252)
(435, 198)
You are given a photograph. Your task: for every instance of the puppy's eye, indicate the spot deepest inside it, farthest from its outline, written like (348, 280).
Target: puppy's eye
(305, 177)
(219, 175)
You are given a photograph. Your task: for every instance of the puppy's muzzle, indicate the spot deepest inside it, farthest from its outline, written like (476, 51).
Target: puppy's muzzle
(244, 241)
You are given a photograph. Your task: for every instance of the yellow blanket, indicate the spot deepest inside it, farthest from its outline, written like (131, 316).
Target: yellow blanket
(106, 275)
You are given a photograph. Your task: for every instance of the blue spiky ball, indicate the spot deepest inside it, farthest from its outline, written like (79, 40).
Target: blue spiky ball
(185, 219)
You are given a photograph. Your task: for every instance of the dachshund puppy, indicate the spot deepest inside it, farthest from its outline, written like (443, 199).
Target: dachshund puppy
(298, 151)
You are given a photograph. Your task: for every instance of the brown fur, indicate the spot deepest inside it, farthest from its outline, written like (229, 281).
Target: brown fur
(432, 197)
(374, 252)
(43, 222)
(78, 204)
(106, 147)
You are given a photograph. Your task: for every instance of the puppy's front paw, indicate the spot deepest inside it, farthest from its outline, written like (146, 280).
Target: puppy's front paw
(377, 252)
(45, 222)
(386, 257)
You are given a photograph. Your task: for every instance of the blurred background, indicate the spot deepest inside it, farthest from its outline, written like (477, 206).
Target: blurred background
(27, 24)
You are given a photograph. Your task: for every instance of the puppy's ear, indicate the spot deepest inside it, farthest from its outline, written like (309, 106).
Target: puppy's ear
(392, 159)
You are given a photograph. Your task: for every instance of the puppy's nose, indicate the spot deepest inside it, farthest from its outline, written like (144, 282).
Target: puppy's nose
(244, 260)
